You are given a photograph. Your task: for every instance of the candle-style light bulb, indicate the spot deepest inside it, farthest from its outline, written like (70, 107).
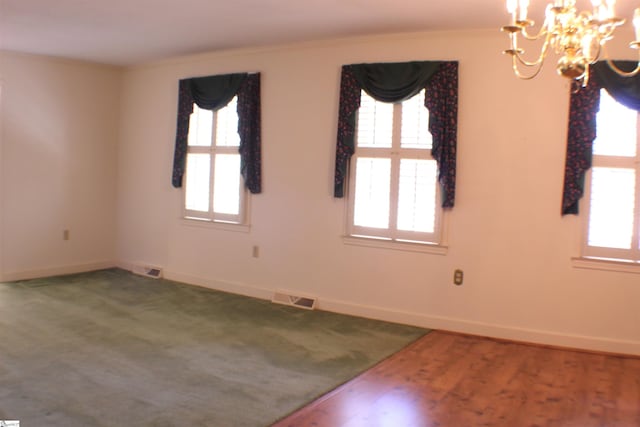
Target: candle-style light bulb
(611, 8)
(587, 41)
(550, 18)
(512, 8)
(524, 5)
(599, 9)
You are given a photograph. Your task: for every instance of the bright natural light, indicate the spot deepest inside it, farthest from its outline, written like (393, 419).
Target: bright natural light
(395, 191)
(200, 127)
(197, 182)
(227, 125)
(226, 196)
(617, 129)
(612, 207)
(222, 160)
(375, 123)
(415, 124)
(417, 196)
(613, 193)
(372, 192)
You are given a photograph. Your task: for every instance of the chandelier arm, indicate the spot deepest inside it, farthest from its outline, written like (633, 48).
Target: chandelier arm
(595, 56)
(528, 63)
(517, 72)
(543, 53)
(607, 33)
(622, 72)
(541, 32)
(616, 68)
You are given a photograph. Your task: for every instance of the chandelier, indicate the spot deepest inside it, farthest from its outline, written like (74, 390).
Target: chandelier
(578, 37)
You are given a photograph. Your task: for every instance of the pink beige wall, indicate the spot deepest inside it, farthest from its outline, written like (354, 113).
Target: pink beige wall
(58, 165)
(505, 232)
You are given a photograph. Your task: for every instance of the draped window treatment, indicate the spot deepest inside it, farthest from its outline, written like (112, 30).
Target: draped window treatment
(583, 108)
(396, 82)
(213, 93)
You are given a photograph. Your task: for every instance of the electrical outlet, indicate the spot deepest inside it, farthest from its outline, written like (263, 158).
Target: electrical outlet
(255, 252)
(458, 277)
(65, 234)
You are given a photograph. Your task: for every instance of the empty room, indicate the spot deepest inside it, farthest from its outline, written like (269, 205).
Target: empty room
(357, 213)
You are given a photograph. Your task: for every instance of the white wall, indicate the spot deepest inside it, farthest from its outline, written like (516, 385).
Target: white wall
(505, 231)
(58, 165)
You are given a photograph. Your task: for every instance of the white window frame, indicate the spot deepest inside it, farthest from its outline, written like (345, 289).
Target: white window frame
(212, 151)
(401, 239)
(631, 255)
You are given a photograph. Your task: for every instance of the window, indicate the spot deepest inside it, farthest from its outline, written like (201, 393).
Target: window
(213, 189)
(612, 227)
(393, 185)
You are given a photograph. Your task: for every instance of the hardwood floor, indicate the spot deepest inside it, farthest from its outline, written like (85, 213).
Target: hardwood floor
(452, 380)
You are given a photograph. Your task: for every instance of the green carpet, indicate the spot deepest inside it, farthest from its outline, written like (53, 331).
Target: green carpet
(110, 348)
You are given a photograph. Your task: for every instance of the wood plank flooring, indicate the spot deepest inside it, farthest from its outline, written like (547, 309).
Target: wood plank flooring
(452, 380)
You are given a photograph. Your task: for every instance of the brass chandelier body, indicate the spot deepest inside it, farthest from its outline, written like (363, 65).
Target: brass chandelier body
(578, 37)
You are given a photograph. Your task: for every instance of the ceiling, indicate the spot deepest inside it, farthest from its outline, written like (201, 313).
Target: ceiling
(128, 32)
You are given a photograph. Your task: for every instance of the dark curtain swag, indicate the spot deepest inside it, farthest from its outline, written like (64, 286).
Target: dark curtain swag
(583, 109)
(396, 82)
(213, 93)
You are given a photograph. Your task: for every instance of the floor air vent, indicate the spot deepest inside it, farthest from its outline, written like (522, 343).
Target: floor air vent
(286, 298)
(147, 271)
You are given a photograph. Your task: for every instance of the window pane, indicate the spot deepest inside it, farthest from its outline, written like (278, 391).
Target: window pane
(200, 127)
(612, 207)
(417, 195)
(227, 125)
(197, 182)
(373, 182)
(375, 123)
(415, 123)
(226, 191)
(617, 128)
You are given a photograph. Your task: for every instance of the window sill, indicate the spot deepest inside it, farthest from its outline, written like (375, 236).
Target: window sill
(427, 248)
(215, 225)
(606, 264)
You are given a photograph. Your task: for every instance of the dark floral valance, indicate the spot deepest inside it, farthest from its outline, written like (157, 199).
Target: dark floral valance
(395, 82)
(583, 109)
(213, 93)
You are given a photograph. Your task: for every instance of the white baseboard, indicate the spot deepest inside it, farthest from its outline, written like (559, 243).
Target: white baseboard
(218, 285)
(524, 335)
(534, 336)
(55, 271)
(125, 265)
